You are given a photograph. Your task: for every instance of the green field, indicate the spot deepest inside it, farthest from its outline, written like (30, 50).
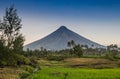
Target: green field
(78, 68)
(76, 73)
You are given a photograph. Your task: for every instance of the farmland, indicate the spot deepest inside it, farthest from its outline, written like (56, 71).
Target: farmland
(66, 70)
(77, 73)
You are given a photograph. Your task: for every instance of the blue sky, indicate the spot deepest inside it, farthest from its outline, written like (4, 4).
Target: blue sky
(97, 20)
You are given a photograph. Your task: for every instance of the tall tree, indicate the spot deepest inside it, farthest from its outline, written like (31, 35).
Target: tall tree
(11, 40)
(10, 28)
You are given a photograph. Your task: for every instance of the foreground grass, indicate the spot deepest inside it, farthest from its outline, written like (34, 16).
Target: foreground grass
(78, 68)
(9, 73)
(76, 73)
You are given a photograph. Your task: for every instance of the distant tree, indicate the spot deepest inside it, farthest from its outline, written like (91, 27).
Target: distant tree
(112, 47)
(75, 49)
(86, 46)
(113, 50)
(78, 50)
(71, 44)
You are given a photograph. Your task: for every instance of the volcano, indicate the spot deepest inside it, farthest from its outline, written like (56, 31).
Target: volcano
(58, 40)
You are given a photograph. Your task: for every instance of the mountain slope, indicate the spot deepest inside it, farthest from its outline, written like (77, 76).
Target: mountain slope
(58, 40)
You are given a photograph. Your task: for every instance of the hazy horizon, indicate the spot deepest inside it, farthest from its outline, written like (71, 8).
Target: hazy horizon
(97, 20)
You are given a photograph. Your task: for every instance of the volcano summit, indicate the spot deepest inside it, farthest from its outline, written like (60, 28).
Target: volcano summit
(58, 40)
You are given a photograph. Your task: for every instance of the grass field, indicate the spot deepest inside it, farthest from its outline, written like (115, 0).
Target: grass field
(78, 68)
(76, 73)
(70, 68)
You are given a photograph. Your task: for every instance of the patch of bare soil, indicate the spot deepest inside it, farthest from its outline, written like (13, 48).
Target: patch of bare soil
(92, 63)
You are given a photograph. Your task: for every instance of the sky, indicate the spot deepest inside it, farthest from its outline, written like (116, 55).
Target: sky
(97, 20)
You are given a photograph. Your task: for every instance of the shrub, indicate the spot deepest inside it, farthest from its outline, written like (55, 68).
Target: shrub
(33, 61)
(56, 57)
(24, 75)
(28, 69)
(109, 56)
(21, 59)
(3, 63)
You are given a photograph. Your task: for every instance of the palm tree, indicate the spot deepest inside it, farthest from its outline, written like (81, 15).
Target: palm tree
(69, 44)
(72, 43)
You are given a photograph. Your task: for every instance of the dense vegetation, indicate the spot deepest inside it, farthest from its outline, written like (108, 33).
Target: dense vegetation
(11, 40)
